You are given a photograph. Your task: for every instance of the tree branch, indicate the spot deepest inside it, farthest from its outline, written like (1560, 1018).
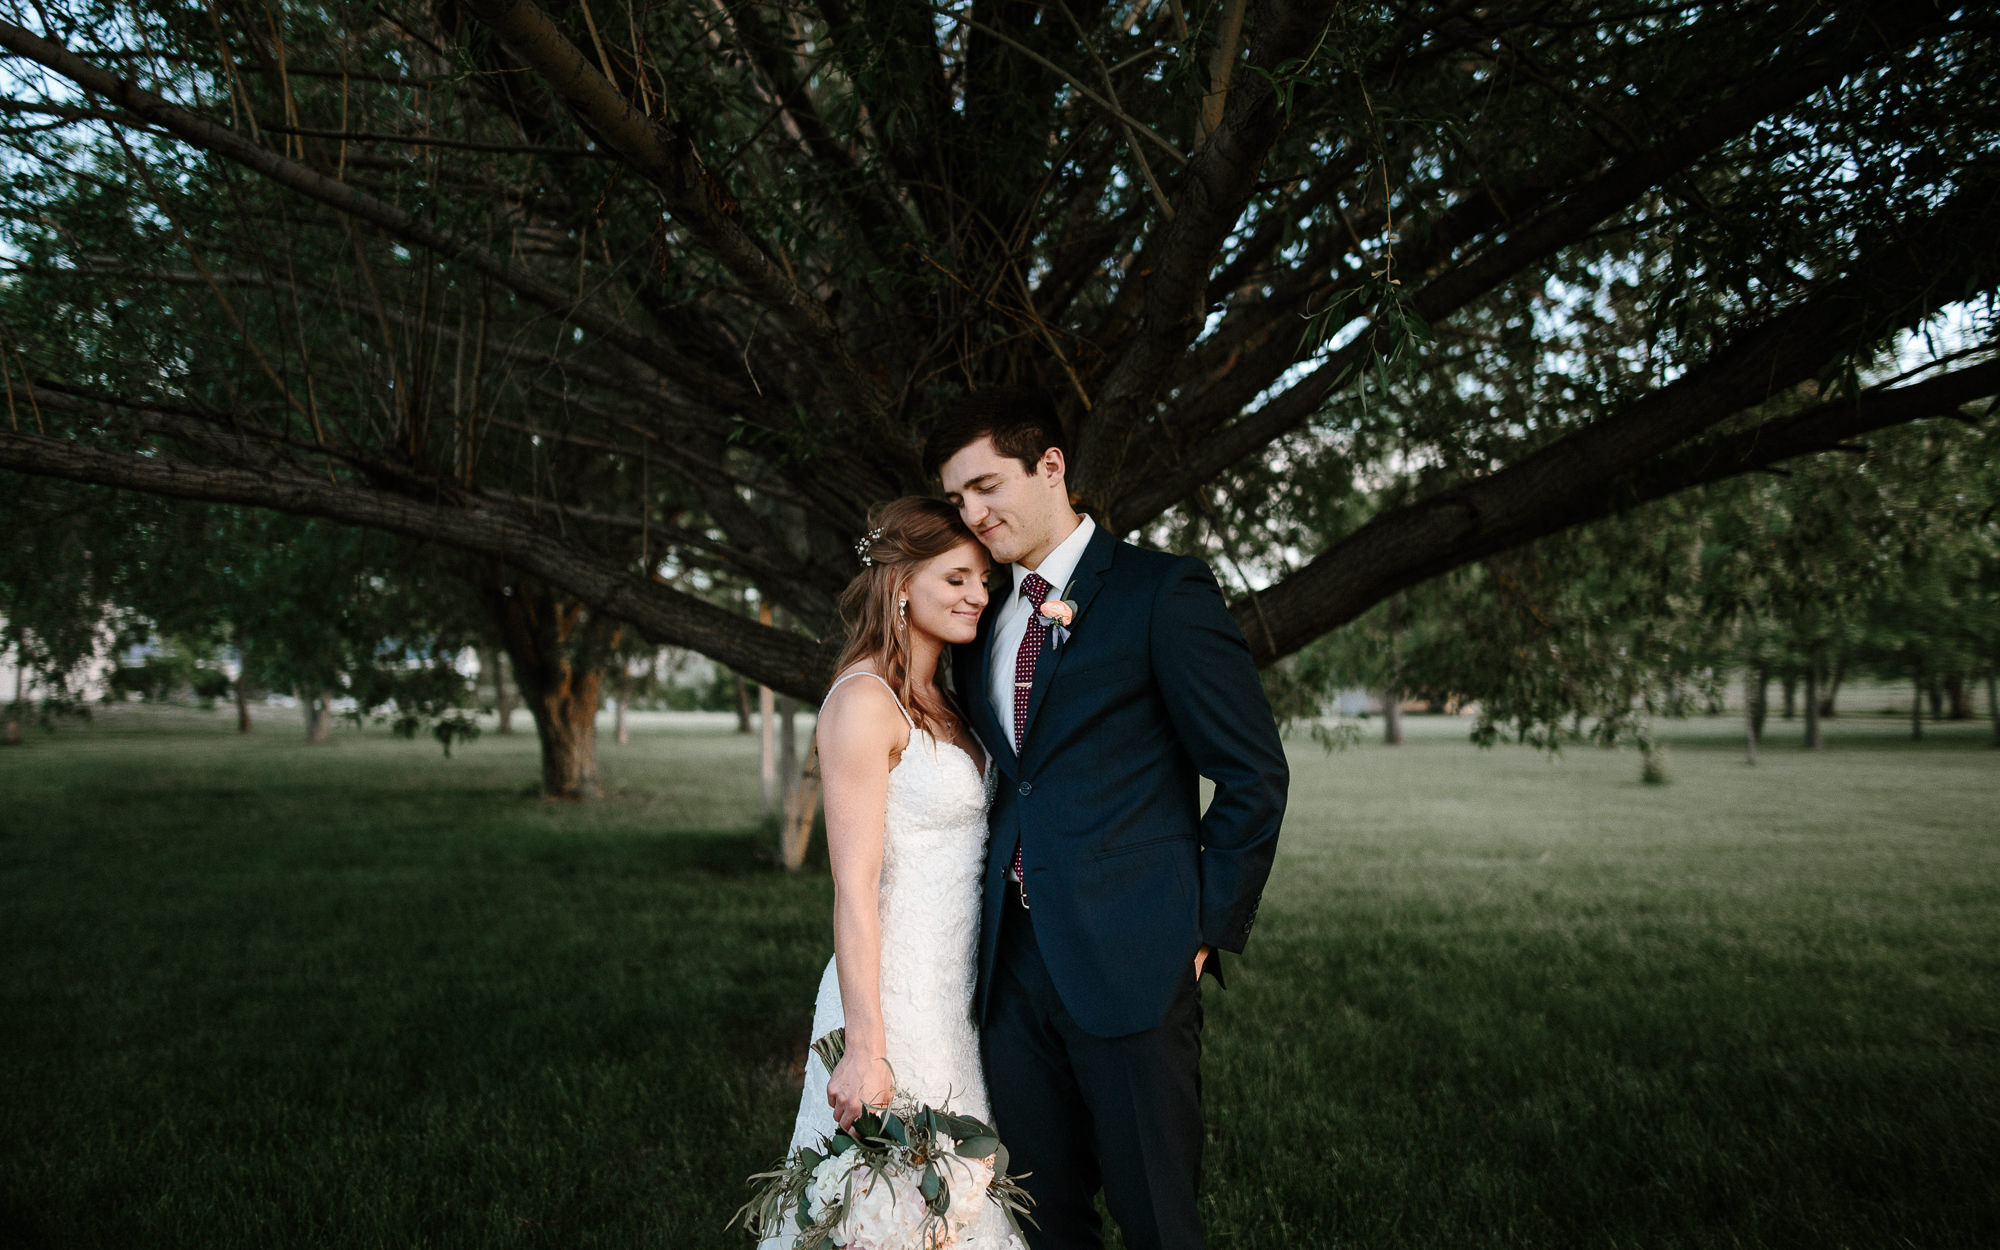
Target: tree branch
(782, 660)
(1177, 259)
(221, 140)
(1637, 455)
(698, 202)
(1526, 242)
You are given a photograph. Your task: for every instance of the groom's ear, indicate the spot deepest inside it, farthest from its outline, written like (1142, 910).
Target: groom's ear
(1053, 466)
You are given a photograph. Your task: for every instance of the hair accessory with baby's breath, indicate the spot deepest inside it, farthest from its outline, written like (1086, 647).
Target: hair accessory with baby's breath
(866, 545)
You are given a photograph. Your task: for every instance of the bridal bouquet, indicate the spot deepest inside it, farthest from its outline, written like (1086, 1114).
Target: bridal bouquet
(909, 1178)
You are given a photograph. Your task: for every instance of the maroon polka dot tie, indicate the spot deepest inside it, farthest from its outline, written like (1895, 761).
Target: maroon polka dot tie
(1036, 588)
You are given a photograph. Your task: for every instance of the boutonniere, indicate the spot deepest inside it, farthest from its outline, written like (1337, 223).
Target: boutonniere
(1060, 613)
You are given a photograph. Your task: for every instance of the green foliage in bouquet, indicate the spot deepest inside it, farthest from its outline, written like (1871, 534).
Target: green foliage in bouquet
(899, 1147)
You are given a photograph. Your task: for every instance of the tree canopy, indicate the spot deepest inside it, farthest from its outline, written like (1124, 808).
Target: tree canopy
(646, 300)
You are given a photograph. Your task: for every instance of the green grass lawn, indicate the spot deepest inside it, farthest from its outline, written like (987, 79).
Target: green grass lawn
(255, 994)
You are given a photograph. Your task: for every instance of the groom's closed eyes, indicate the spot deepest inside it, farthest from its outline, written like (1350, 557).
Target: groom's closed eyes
(984, 484)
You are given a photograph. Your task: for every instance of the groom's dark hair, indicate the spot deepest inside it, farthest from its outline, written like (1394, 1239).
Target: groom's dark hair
(1021, 421)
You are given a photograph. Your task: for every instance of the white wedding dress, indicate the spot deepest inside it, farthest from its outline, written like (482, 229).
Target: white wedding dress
(933, 855)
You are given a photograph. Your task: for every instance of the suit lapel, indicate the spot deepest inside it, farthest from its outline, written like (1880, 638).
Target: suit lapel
(1082, 588)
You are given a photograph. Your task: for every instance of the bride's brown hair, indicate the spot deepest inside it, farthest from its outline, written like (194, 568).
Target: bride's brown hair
(903, 533)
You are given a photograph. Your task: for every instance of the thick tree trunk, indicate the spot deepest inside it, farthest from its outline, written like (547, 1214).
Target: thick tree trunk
(557, 649)
(1813, 739)
(1790, 683)
(565, 715)
(742, 705)
(1993, 704)
(318, 716)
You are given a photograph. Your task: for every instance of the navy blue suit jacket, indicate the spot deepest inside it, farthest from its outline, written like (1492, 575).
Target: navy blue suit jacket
(1126, 876)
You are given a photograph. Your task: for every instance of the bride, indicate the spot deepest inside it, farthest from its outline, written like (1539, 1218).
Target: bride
(907, 786)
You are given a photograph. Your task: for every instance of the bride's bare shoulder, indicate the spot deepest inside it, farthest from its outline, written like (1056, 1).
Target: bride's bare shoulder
(862, 713)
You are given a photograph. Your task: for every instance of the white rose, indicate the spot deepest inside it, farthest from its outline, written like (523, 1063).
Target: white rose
(969, 1180)
(886, 1213)
(829, 1182)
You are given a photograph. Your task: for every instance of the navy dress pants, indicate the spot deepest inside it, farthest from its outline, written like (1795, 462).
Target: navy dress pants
(1082, 1113)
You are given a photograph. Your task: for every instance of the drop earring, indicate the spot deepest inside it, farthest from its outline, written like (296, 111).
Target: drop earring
(902, 614)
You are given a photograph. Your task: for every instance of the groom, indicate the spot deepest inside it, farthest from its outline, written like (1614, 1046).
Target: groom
(1108, 890)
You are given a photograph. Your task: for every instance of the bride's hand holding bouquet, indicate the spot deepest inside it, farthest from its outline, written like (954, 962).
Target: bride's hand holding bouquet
(861, 1080)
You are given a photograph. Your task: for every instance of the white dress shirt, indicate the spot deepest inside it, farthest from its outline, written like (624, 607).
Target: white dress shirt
(1012, 623)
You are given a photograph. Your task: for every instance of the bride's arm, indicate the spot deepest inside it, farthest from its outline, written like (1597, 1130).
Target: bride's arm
(860, 732)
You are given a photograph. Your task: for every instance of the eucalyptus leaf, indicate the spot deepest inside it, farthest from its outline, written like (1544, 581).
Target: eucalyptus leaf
(981, 1147)
(928, 1184)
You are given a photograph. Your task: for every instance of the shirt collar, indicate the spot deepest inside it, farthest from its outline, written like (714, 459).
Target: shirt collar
(1061, 562)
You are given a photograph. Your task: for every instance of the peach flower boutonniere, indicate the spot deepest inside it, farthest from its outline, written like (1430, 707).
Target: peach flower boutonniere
(1060, 614)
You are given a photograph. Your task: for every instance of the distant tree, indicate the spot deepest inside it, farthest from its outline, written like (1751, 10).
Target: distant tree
(321, 611)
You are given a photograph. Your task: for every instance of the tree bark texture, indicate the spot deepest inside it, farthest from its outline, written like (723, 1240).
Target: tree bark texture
(1790, 683)
(558, 648)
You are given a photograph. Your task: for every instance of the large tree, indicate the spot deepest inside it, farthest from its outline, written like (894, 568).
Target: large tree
(645, 300)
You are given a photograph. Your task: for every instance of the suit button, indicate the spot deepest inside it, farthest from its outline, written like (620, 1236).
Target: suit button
(1026, 786)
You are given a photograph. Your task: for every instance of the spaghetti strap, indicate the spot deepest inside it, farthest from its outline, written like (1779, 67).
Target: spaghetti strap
(885, 685)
